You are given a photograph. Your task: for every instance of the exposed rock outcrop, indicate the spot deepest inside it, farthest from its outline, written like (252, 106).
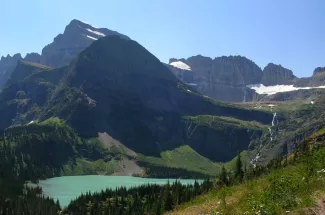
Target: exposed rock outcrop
(7, 65)
(276, 75)
(236, 78)
(76, 37)
(65, 47)
(33, 57)
(222, 78)
(319, 71)
(317, 79)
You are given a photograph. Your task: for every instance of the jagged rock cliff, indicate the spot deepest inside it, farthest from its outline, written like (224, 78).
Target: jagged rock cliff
(222, 78)
(7, 65)
(65, 47)
(319, 71)
(33, 57)
(317, 79)
(76, 37)
(238, 79)
(276, 75)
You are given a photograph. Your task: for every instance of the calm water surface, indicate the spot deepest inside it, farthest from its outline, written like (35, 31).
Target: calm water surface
(68, 188)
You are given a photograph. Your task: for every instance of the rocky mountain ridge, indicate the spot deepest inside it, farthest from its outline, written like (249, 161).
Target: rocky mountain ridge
(276, 75)
(65, 47)
(230, 78)
(7, 65)
(223, 78)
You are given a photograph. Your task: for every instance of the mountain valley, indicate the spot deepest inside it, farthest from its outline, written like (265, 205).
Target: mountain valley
(96, 102)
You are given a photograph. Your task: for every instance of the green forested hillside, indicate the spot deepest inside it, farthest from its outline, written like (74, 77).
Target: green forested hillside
(293, 184)
(49, 146)
(26, 93)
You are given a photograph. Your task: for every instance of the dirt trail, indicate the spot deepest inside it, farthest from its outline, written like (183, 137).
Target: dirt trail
(319, 209)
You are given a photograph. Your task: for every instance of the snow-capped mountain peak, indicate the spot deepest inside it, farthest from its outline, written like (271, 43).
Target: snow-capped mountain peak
(76, 37)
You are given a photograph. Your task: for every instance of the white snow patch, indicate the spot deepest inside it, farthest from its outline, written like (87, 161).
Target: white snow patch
(88, 24)
(192, 84)
(180, 65)
(271, 90)
(96, 32)
(90, 37)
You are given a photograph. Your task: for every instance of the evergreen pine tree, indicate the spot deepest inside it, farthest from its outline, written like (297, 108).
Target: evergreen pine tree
(245, 173)
(223, 176)
(168, 198)
(239, 173)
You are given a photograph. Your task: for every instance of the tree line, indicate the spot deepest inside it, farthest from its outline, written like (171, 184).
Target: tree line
(145, 199)
(15, 196)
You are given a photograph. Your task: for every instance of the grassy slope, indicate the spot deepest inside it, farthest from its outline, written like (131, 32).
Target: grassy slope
(286, 186)
(183, 157)
(187, 158)
(218, 122)
(294, 189)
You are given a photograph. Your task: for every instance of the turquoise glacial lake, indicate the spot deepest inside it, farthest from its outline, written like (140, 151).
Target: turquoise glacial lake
(68, 188)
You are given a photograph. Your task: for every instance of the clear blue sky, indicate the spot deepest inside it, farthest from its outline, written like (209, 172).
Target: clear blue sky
(286, 32)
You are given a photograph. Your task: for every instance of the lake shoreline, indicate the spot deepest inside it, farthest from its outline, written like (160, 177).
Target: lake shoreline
(67, 188)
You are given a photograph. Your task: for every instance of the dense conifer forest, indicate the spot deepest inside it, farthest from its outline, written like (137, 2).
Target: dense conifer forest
(146, 199)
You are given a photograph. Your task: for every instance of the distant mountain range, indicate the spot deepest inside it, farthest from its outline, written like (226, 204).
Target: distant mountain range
(238, 79)
(222, 78)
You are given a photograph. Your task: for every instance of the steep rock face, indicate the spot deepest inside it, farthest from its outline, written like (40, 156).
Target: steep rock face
(117, 86)
(318, 71)
(76, 37)
(276, 75)
(33, 57)
(7, 65)
(237, 79)
(222, 78)
(317, 79)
